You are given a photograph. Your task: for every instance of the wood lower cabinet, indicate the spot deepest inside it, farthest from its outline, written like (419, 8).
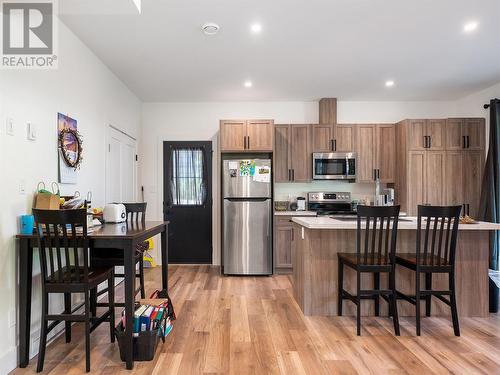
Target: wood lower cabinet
(246, 135)
(292, 153)
(283, 248)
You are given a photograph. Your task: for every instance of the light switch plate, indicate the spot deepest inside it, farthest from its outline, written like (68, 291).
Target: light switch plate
(32, 131)
(9, 126)
(22, 187)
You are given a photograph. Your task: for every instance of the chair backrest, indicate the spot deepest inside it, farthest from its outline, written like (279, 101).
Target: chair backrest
(61, 233)
(134, 210)
(440, 235)
(377, 234)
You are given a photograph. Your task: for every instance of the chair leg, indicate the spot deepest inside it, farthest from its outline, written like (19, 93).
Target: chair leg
(358, 303)
(67, 310)
(340, 287)
(428, 286)
(87, 332)
(43, 332)
(453, 303)
(111, 302)
(93, 302)
(417, 300)
(376, 286)
(141, 273)
(393, 301)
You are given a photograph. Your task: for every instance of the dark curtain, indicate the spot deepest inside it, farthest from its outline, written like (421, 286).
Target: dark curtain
(489, 208)
(188, 176)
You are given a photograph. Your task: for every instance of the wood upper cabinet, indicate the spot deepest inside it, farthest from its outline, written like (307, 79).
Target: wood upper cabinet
(365, 152)
(322, 138)
(427, 134)
(474, 131)
(473, 168)
(334, 138)
(465, 134)
(344, 137)
(232, 135)
(292, 153)
(385, 158)
(246, 135)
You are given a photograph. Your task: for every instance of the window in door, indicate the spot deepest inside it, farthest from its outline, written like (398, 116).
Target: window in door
(188, 177)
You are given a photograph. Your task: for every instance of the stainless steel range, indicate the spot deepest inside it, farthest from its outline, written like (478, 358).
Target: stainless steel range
(330, 203)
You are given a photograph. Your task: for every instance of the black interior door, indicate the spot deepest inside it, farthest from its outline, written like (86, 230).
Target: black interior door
(187, 192)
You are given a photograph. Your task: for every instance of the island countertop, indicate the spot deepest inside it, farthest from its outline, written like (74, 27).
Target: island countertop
(408, 222)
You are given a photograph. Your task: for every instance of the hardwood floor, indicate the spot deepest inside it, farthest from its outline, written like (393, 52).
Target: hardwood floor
(247, 325)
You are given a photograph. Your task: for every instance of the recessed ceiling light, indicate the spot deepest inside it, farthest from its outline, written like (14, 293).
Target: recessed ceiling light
(248, 84)
(389, 83)
(470, 26)
(256, 28)
(210, 28)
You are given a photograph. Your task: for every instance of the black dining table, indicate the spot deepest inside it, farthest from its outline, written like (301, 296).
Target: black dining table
(117, 236)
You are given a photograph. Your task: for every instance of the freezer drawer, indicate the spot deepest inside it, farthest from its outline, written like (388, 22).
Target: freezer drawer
(247, 246)
(237, 186)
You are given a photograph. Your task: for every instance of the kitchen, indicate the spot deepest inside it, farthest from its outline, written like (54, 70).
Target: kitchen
(282, 150)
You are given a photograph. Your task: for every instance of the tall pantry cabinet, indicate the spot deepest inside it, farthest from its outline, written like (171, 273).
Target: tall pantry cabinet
(440, 162)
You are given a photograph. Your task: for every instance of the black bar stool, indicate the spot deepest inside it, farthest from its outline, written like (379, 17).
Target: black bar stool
(66, 271)
(374, 254)
(436, 256)
(135, 216)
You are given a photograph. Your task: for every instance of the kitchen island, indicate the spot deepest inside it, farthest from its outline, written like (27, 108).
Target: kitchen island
(317, 240)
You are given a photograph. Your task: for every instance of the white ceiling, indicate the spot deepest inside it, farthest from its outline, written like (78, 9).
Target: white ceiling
(307, 49)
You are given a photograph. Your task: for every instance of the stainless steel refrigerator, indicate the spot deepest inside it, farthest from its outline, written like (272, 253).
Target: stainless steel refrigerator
(247, 210)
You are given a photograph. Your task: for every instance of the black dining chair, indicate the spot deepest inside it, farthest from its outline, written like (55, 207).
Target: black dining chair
(135, 216)
(435, 253)
(65, 270)
(376, 236)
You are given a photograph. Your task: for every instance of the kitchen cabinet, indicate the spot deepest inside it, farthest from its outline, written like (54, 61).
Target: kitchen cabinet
(376, 152)
(328, 111)
(449, 175)
(292, 155)
(426, 134)
(465, 134)
(334, 137)
(246, 135)
(283, 239)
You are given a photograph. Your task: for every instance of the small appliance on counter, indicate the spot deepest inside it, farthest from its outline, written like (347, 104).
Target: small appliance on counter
(331, 203)
(114, 213)
(301, 204)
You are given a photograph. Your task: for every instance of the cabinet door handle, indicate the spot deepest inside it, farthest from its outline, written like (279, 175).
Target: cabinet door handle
(468, 144)
(425, 141)
(430, 141)
(248, 141)
(334, 145)
(331, 144)
(468, 209)
(378, 174)
(293, 174)
(289, 175)
(244, 142)
(464, 142)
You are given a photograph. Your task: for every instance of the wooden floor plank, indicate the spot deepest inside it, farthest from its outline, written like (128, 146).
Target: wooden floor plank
(252, 325)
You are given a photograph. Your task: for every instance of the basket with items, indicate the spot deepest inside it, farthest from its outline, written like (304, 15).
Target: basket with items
(152, 322)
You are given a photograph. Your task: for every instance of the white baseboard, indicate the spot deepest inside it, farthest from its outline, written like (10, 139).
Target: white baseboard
(8, 361)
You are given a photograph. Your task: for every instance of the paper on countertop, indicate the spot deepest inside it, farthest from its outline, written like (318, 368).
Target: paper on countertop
(262, 174)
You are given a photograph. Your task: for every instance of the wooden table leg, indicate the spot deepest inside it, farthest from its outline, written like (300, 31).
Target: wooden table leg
(25, 280)
(129, 272)
(164, 263)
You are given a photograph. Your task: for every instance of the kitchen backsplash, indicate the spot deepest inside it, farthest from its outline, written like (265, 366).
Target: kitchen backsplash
(282, 191)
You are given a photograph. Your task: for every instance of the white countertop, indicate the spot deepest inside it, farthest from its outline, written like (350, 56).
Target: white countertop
(294, 213)
(408, 222)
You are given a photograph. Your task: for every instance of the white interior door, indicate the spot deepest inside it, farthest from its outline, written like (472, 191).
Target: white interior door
(121, 167)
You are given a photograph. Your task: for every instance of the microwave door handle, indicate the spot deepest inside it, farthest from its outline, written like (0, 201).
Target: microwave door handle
(347, 166)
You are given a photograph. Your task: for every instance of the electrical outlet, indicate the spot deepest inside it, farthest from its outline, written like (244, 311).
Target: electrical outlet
(9, 126)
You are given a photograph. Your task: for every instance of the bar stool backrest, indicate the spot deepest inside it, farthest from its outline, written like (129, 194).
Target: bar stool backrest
(439, 236)
(134, 211)
(376, 234)
(59, 241)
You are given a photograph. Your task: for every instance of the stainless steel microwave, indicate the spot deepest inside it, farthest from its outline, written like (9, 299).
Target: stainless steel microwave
(334, 166)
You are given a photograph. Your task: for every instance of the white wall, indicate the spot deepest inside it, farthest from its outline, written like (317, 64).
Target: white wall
(200, 121)
(84, 89)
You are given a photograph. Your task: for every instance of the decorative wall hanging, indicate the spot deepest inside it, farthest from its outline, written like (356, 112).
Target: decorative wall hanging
(69, 149)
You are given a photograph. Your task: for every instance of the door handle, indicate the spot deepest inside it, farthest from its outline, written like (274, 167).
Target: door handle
(248, 142)
(293, 174)
(425, 141)
(468, 142)
(334, 145)
(289, 176)
(331, 144)
(464, 141)
(378, 174)
(244, 142)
